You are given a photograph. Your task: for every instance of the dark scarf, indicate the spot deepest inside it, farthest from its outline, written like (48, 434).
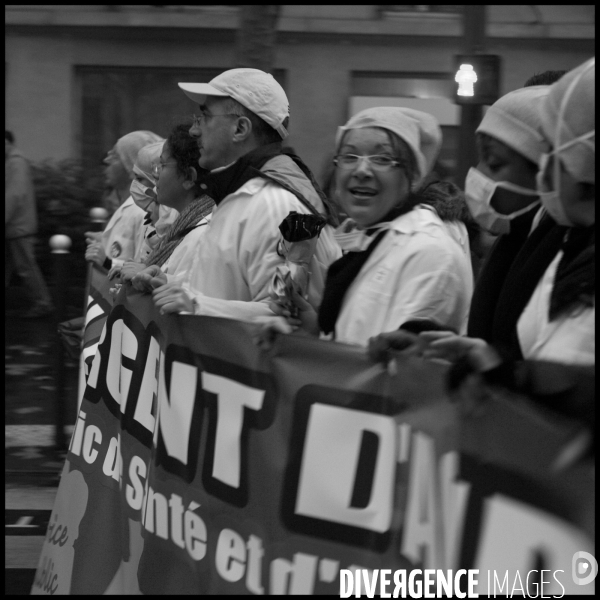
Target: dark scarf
(523, 276)
(340, 276)
(493, 275)
(187, 220)
(575, 280)
(449, 204)
(229, 180)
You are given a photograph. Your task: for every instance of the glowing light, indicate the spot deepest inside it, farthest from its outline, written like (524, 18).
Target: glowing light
(466, 77)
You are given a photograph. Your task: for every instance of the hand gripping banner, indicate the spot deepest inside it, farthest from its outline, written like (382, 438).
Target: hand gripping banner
(200, 464)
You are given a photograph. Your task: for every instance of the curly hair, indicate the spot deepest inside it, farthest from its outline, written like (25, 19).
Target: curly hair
(183, 148)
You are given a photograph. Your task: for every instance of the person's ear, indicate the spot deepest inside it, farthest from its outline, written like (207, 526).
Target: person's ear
(243, 129)
(190, 179)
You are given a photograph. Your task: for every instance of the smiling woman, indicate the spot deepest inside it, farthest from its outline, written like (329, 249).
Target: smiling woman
(407, 251)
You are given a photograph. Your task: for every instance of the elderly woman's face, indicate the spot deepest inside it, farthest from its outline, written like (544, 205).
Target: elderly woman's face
(115, 173)
(367, 194)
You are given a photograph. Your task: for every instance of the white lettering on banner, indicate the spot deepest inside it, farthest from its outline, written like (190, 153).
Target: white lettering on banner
(436, 506)
(422, 520)
(113, 465)
(254, 571)
(92, 379)
(454, 495)
(187, 529)
(329, 463)
(114, 361)
(295, 577)
(92, 435)
(134, 493)
(232, 399)
(175, 410)
(176, 506)
(129, 348)
(149, 387)
(230, 558)
(77, 438)
(512, 532)
(157, 514)
(196, 534)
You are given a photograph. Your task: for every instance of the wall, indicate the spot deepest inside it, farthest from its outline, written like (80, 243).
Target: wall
(42, 103)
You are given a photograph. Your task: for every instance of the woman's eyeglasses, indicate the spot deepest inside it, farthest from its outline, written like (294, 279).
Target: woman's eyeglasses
(378, 162)
(158, 167)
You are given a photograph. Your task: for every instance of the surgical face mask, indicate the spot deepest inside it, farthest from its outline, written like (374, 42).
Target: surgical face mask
(143, 196)
(550, 196)
(352, 239)
(479, 191)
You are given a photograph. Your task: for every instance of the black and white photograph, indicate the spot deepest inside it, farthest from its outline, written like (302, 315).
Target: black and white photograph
(300, 299)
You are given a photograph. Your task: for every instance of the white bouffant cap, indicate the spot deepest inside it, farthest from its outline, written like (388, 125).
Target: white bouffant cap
(420, 131)
(516, 120)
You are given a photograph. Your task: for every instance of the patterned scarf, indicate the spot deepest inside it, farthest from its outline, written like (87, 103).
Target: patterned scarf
(187, 220)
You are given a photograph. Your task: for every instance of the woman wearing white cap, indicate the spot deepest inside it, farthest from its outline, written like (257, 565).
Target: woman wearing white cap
(403, 263)
(123, 234)
(555, 329)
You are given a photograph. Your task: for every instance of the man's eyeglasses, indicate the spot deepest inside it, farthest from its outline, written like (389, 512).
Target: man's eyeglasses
(378, 162)
(204, 114)
(158, 167)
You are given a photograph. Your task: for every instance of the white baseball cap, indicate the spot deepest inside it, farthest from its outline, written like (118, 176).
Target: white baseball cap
(256, 90)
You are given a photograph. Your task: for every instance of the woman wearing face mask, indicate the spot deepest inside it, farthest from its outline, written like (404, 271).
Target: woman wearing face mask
(123, 235)
(158, 217)
(555, 328)
(502, 197)
(402, 262)
(176, 175)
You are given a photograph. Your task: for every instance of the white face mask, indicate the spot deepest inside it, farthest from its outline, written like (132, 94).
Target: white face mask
(143, 196)
(352, 239)
(479, 191)
(550, 198)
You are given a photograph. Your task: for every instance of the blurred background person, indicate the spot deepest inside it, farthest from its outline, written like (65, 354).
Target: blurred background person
(407, 251)
(20, 227)
(124, 233)
(143, 191)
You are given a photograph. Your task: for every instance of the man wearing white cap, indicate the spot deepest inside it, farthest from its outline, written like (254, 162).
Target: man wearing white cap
(243, 120)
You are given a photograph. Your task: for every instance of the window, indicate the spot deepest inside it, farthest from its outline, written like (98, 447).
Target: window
(117, 100)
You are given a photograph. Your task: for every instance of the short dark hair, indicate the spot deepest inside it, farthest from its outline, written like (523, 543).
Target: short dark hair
(9, 136)
(263, 132)
(183, 148)
(545, 78)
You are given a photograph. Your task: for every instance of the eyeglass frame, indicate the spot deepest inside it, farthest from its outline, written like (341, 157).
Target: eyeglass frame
(204, 115)
(380, 168)
(159, 166)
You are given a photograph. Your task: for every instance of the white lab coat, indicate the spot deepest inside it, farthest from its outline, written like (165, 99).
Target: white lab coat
(236, 257)
(123, 236)
(178, 265)
(418, 270)
(569, 339)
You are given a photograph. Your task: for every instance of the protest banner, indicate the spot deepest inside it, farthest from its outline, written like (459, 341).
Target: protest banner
(202, 464)
(98, 303)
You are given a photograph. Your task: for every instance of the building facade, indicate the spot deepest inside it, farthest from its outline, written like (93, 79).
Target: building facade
(79, 76)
